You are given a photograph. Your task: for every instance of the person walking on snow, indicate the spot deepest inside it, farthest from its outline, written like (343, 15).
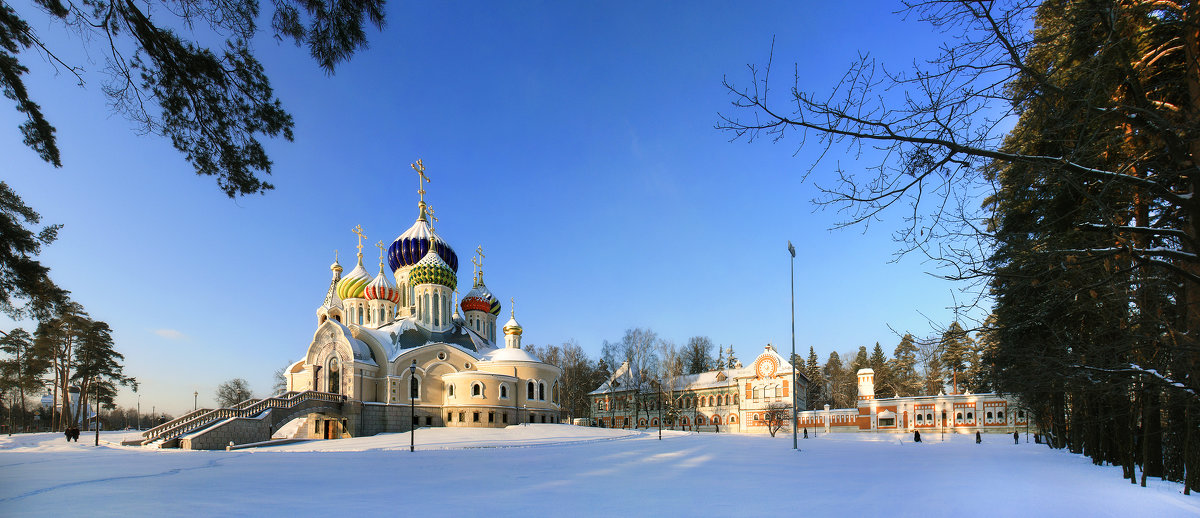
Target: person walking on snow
(978, 438)
(1016, 437)
(916, 436)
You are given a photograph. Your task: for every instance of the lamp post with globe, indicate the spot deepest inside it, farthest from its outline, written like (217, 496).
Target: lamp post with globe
(412, 406)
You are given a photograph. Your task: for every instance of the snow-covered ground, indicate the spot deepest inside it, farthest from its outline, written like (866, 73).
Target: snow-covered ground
(539, 470)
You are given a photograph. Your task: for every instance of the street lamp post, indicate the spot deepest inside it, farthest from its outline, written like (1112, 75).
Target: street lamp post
(792, 360)
(139, 412)
(412, 407)
(195, 399)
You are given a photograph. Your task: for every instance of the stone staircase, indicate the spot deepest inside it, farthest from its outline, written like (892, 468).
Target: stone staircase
(283, 406)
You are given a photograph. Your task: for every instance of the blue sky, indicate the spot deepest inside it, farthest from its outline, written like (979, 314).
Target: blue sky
(573, 141)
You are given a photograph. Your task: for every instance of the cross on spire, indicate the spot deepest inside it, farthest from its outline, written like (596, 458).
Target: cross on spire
(432, 219)
(512, 308)
(478, 262)
(358, 231)
(421, 178)
(380, 246)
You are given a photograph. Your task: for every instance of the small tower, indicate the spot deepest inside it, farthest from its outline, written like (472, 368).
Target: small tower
(332, 307)
(512, 330)
(382, 296)
(866, 385)
(479, 305)
(432, 282)
(352, 287)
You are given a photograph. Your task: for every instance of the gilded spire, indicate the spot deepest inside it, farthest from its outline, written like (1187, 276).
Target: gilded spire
(379, 245)
(421, 179)
(336, 267)
(478, 262)
(512, 308)
(357, 230)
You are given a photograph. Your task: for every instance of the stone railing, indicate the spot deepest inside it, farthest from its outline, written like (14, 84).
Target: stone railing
(249, 408)
(183, 418)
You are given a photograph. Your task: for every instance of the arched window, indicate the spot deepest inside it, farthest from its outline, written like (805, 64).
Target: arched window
(732, 419)
(989, 416)
(735, 399)
(529, 390)
(450, 391)
(757, 392)
(333, 378)
(920, 419)
(477, 389)
(425, 309)
(716, 419)
(970, 416)
(541, 391)
(414, 388)
(958, 417)
(437, 310)
(699, 420)
(1000, 415)
(503, 391)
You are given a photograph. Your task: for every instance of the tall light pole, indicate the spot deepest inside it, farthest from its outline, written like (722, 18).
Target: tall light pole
(195, 398)
(139, 412)
(792, 359)
(412, 407)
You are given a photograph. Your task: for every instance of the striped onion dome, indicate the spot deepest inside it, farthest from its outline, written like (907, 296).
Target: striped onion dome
(354, 283)
(412, 245)
(432, 269)
(480, 299)
(382, 288)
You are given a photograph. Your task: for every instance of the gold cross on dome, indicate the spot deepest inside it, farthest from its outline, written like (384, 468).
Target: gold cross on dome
(478, 261)
(357, 230)
(421, 178)
(432, 219)
(380, 246)
(512, 307)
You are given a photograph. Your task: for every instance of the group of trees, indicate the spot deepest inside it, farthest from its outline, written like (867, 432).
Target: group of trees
(68, 352)
(1086, 241)
(949, 362)
(70, 356)
(654, 365)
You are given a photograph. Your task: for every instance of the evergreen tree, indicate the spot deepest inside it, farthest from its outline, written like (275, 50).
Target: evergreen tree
(98, 369)
(213, 104)
(21, 370)
(861, 360)
(884, 384)
(818, 385)
(956, 347)
(904, 367)
(840, 393)
(25, 286)
(731, 361)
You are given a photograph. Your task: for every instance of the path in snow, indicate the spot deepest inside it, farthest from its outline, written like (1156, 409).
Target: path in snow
(545, 469)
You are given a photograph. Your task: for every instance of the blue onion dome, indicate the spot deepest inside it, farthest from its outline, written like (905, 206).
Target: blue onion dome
(432, 269)
(354, 283)
(412, 245)
(480, 299)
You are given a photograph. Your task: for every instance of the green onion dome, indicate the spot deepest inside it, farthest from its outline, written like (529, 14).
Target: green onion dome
(354, 283)
(431, 269)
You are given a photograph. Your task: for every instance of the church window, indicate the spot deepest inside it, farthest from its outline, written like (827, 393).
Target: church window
(989, 416)
(958, 418)
(733, 419)
(425, 309)
(491, 417)
(503, 391)
(970, 416)
(414, 388)
(475, 417)
(529, 390)
(451, 389)
(920, 419)
(504, 418)
(449, 417)
(757, 393)
(929, 418)
(428, 420)
(462, 417)
(541, 391)
(333, 379)
(477, 389)
(1000, 415)
(437, 310)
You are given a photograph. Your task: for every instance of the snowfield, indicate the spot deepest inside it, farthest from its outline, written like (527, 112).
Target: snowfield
(538, 470)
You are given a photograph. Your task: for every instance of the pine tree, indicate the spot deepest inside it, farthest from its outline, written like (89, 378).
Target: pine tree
(98, 369)
(22, 369)
(731, 361)
(836, 375)
(697, 355)
(861, 360)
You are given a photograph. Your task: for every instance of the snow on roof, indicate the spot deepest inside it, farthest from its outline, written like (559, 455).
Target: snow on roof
(510, 354)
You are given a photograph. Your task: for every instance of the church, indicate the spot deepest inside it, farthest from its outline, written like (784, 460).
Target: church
(399, 350)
